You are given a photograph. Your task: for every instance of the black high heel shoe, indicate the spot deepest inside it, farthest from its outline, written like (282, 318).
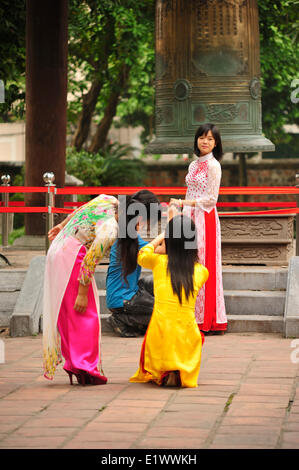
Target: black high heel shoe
(97, 380)
(78, 375)
(70, 374)
(87, 378)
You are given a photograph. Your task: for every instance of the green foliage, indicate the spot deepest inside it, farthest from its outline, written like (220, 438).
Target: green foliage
(105, 37)
(113, 166)
(12, 63)
(86, 166)
(133, 43)
(287, 148)
(137, 105)
(279, 56)
(19, 232)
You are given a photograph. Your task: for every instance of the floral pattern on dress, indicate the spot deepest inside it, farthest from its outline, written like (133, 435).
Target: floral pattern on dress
(101, 243)
(86, 220)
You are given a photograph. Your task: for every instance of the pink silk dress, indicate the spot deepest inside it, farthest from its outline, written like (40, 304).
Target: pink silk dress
(72, 259)
(203, 182)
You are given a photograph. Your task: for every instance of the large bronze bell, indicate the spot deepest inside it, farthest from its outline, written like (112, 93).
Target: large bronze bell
(208, 70)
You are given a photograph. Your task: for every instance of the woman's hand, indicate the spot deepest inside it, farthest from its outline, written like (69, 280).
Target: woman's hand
(172, 211)
(54, 231)
(115, 204)
(158, 240)
(161, 249)
(175, 202)
(81, 303)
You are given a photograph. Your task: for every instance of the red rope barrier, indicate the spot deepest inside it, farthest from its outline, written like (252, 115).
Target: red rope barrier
(256, 204)
(14, 204)
(73, 204)
(259, 190)
(270, 212)
(121, 190)
(26, 189)
(161, 190)
(219, 204)
(58, 210)
(25, 210)
(176, 190)
(19, 206)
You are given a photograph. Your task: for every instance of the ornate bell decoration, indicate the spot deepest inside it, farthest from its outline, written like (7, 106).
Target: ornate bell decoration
(208, 70)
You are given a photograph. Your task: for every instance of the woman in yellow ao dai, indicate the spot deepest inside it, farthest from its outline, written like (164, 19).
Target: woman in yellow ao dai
(171, 350)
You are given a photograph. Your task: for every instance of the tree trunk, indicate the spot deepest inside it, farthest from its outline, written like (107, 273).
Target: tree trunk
(88, 107)
(46, 100)
(100, 136)
(90, 99)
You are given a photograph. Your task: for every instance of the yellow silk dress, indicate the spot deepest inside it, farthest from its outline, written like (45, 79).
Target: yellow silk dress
(173, 341)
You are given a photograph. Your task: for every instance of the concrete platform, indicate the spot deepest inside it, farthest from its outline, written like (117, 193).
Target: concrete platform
(247, 398)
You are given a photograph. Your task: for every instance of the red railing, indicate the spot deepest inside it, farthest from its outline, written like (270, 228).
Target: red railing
(19, 206)
(281, 208)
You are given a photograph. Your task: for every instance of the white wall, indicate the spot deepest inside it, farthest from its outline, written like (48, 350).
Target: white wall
(12, 143)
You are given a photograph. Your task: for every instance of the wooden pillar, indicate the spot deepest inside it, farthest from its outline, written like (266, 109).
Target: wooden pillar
(46, 100)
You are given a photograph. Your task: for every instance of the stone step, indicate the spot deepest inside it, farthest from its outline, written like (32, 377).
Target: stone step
(100, 276)
(105, 327)
(11, 281)
(103, 307)
(254, 278)
(238, 303)
(254, 324)
(252, 302)
(236, 324)
(234, 277)
(248, 302)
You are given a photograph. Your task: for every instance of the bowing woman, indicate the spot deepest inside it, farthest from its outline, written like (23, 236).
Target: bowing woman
(71, 321)
(203, 182)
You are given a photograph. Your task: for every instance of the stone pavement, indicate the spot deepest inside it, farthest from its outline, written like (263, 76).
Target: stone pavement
(248, 397)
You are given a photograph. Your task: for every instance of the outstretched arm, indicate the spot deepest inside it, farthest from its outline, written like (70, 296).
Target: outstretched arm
(147, 256)
(53, 232)
(209, 200)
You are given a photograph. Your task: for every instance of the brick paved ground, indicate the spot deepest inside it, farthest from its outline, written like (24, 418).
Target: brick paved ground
(248, 397)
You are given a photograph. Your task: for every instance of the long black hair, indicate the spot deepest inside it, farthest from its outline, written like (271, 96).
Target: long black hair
(181, 232)
(127, 243)
(203, 130)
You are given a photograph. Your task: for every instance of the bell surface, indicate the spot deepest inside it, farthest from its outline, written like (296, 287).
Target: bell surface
(207, 70)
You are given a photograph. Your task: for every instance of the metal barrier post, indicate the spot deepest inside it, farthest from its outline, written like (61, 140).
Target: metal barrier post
(297, 217)
(49, 177)
(5, 198)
